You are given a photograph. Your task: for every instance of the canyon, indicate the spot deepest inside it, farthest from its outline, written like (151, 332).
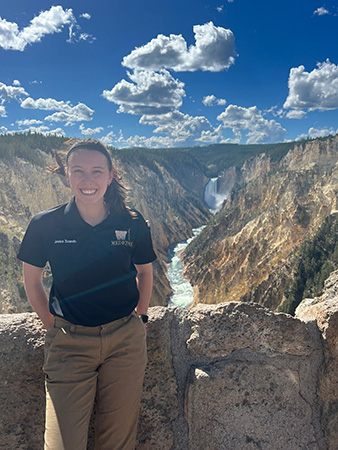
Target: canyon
(277, 196)
(247, 250)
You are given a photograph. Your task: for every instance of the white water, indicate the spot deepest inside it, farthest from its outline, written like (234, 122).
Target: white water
(211, 196)
(182, 290)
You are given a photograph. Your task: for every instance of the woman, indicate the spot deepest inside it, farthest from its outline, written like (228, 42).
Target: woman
(100, 254)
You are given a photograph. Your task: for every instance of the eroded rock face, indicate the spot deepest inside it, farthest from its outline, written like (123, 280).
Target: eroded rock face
(232, 376)
(246, 253)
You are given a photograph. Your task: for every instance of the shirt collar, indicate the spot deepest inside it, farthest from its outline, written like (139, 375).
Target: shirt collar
(74, 220)
(72, 215)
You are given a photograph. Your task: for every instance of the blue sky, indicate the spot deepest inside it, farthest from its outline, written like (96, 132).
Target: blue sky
(170, 73)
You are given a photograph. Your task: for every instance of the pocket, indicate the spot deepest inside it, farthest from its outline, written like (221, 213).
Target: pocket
(50, 335)
(140, 323)
(49, 347)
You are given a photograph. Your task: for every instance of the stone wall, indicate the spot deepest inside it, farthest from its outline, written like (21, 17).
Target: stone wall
(231, 376)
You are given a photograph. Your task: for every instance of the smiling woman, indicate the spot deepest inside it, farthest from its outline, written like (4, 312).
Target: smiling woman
(100, 253)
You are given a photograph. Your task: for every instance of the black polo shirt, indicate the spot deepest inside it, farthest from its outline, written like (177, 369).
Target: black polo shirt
(94, 277)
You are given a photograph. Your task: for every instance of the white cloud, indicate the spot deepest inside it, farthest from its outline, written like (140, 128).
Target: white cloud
(48, 104)
(296, 114)
(77, 113)
(86, 16)
(16, 83)
(251, 119)
(47, 22)
(149, 93)
(86, 37)
(109, 139)
(322, 11)
(136, 141)
(313, 90)
(43, 129)
(214, 51)
(65, 111)
(143, 141)
(89, 131)
(210, 100)
(181, 127)
(3, 130)
(220, 8)
(11, 92)
(28, 122)
(315, 133)
(3, 111)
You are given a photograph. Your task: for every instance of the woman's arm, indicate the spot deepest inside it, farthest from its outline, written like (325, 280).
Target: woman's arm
(36, 294)
(145, 285)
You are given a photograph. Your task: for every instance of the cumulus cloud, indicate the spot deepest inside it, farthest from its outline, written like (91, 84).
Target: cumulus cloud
(3, 111)
(213, 51)
(47, 22)
(183, 127)
(77, 113)
(65, 111)
(86, 16)
(259, 129)
(45, 130)
(28, 122)
(296, 114)
(89, 131)
(136, 141)
(313, 90)
(149, 93)
(314, 133)
(47, 104)
(147, 142)
(210, 100)
(12, 92)
(322, 11)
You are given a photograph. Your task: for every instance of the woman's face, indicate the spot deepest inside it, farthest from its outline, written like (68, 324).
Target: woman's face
(88, 176)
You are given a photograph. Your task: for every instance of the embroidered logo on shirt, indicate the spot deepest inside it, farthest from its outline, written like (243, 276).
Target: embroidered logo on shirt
(122, 238)
(120, 235)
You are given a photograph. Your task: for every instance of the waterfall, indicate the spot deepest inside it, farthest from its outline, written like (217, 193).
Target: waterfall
(212, 197)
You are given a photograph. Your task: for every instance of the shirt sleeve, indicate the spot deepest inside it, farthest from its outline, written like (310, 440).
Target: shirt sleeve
(143, 251)
(32, 250)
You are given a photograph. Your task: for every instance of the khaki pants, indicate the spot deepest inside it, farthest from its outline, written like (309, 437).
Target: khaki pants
(105, 363)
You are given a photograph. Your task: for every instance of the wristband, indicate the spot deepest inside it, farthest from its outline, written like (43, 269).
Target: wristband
(144, 318)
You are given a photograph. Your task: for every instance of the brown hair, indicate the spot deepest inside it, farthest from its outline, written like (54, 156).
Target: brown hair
(116, 193)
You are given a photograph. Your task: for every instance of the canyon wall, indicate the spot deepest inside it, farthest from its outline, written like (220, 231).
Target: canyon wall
(232, 376)
(246, 252)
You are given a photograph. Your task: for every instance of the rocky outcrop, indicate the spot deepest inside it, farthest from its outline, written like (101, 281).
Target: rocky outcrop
(26, 189)
(324, 311)
(231, 376)
(246, 252)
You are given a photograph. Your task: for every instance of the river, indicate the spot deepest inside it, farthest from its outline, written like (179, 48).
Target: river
(183, 292)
